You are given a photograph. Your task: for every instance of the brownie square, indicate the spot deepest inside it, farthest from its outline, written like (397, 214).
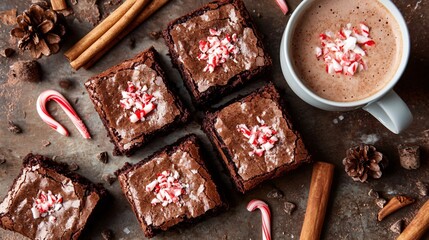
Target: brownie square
(48, 201)
(255, 138)
(173, 186)
(216, 49)
(135, 102)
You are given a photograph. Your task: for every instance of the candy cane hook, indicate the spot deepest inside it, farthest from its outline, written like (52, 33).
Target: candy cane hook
(49, 95)
(266, 216)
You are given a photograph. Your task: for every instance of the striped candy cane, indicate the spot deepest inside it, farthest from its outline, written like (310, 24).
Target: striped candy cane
(266, 216)
(49, 95)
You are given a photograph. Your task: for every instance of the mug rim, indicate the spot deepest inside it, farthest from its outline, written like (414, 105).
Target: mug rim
(286, 42)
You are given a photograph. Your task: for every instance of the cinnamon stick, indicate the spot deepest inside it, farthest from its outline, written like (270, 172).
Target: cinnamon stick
(394, 205)
(98, 31)
(418, 226)
(321, 181)
(58, 5)
(147, 12)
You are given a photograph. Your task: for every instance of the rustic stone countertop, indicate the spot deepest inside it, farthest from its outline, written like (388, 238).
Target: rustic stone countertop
(351, 213)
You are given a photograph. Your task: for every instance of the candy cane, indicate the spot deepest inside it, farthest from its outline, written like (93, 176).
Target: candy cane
(266, 217)
(283, 6)
(48, 95)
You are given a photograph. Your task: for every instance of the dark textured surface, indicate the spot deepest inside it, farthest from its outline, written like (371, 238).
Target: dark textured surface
(351, 214)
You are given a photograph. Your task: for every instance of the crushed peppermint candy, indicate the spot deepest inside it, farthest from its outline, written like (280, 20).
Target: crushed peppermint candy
(167, 188)
(138, 100)
(45, 204)
(343, 52)
(216, 51)
(261, 137)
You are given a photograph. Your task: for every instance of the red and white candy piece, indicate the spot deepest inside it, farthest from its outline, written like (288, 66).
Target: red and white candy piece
(167, 188)
(49, 95)
(138, 100)
(266, 216)
(261, 137)
(343, 53)
(216, 51)
(283, 6)
(45, 204)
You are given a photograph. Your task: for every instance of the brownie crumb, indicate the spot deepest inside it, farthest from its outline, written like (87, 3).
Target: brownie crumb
(65, 84)
(46, 143)
(132, 43)
(373, 193)
(7, 52)
(103, 157)
(289, 207)
(2, 160)
(409, 156)
(25, 71)
(155, 35)
(275, 194)
(397, 226)
(109, 178)
(73, 167)
(13, 128)
(422, 188)
(107, 234)
(380, 202)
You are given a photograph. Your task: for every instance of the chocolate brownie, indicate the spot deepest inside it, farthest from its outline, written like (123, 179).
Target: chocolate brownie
(216, 49)
(255, 138)
(173, 186)
(48, 201)
(135, 102)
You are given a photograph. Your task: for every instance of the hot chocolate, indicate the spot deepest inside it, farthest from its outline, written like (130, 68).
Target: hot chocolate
(346, 50)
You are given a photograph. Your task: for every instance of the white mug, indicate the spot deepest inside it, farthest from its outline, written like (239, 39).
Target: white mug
(385, 105)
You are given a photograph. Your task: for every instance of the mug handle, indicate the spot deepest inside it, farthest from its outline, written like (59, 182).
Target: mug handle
(391, 111)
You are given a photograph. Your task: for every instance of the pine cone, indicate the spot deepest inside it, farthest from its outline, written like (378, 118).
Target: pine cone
(39, 30)
(363, 161)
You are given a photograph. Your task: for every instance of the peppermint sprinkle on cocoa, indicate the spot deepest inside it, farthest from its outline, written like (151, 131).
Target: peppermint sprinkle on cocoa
(137, 99)
(167, 188)
(216, 51)
(344, 52)
(45, 204)
(261, 137)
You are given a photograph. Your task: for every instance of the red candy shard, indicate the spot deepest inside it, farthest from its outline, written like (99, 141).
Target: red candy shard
(167, 188)
(283, 6)
(46, 204)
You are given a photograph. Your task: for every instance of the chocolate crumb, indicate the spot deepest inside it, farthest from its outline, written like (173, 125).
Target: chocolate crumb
(7, 52)
(2, 161)
(103, 157)
(46, 143)
(54, 157)
(109, 178)
(373, 193)
(27, 71)
(132, 43)
(107, 234)
(155, 35)
(73, 167)
(65, 84)
(422, 188)
(76, 100)
(397, 226)
(13, 128)
(409, 156)
(289, 207)
(276, 194)
(380, 202)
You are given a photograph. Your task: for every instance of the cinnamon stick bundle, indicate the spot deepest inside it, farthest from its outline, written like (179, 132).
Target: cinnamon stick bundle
(109, 32)
(321, 181)
(147, 12)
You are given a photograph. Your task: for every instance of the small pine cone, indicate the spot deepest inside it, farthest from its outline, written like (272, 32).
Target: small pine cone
(39, 30)
(363, 161)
